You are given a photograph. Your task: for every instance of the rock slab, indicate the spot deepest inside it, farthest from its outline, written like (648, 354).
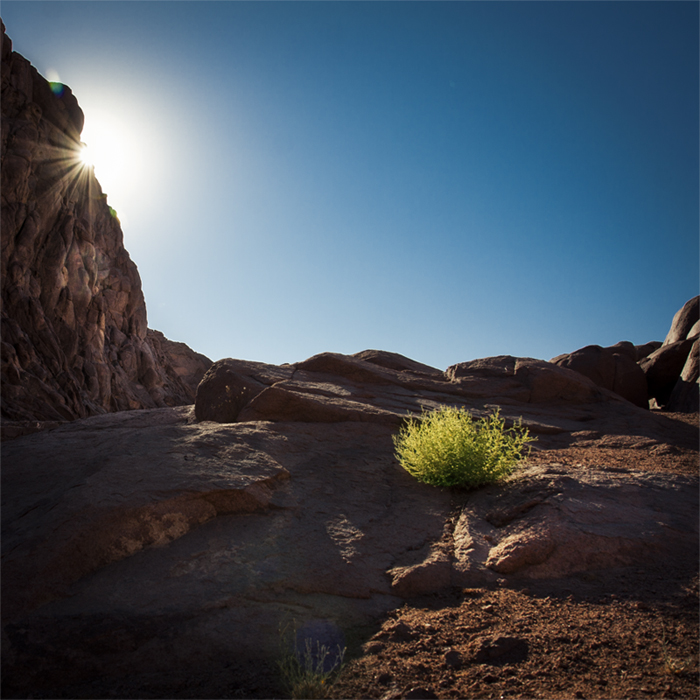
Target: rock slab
(148, 553)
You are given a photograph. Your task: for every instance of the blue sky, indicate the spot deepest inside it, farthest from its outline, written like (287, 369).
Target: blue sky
(443, 180)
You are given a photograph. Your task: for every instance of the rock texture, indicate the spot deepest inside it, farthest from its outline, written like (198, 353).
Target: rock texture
(684, 323)
(685, 396)
(614, 368)
(657, 374)
(148, 553)
(74, 330)
(672, 370)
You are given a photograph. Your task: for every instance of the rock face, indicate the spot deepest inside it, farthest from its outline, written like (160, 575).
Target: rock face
(684, 322)
(332, 388)
(614, 368)
(666, 373)
(151, 553)
(74, 331)
(189, 366)
(672, 370)
(685, 396)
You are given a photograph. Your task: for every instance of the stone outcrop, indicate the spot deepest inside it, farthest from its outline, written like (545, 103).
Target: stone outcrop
(144, 550)
(188, 365)
(373, 387)
(685, 396)
(685, 321)
(614, 368)
(680, 350)
(645, 350)
(75, 340)
(664, 367)
(657, 374)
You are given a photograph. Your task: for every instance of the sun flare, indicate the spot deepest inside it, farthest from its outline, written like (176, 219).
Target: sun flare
(115, 153)
(85, 155)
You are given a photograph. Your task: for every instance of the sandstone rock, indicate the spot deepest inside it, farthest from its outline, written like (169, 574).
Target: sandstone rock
(624, 347)
(645, 350)
(525, 380)
(332, 388)
(227, 387)
(74, 330)
(615, 368)
(663, 368)
(189, 366)
(393, 360)
(683, 322)
(148, 549)
(561, 525)
(685, 397)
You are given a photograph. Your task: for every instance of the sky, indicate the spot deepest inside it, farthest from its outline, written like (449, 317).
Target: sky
(445, 180)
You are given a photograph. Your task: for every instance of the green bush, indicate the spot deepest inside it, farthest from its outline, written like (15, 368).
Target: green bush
(446, 447)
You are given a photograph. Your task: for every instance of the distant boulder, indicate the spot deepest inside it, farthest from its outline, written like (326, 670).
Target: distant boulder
(663, 369)
(672, 369)
(645, 350)
(685, 397)
(614, 368)
(229, 385)
(683, 321)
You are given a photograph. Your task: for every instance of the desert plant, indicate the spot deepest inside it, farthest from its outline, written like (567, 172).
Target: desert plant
(672, 664)
(447, 447)
(307, 668)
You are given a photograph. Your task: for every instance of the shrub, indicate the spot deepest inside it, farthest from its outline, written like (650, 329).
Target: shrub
(446, 447)
(307, 668)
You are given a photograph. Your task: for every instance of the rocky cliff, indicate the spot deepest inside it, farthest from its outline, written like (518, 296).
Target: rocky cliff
(75, 340)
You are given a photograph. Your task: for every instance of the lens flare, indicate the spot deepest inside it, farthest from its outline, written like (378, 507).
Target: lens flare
(85, 155)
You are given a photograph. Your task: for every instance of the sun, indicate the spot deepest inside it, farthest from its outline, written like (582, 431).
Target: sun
(85, 155)
(113, 151)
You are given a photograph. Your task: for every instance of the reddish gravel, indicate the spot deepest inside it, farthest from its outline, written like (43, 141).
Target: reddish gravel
(630, 633)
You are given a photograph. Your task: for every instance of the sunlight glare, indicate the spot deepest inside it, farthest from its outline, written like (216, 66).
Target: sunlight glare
(86, 155)
(112, 149)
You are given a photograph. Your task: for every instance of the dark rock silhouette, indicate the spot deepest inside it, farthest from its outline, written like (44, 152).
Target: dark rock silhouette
(664, 367)
(75, 340)
(685, 394)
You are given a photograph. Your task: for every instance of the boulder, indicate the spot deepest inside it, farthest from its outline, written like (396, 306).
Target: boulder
(615, 368)
(683, 321)
(663, 368)
(551, 524)
(74, 330)
(645, 350)
(229, 385)
(685, 397)
(333, 388)
(393, 360)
